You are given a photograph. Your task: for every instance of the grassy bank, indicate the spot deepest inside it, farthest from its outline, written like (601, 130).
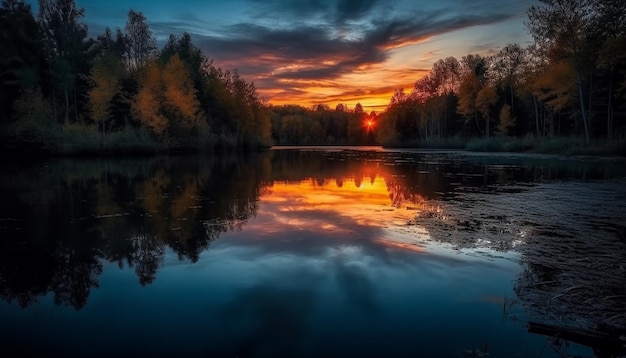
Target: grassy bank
(559, 145)
(51, 139)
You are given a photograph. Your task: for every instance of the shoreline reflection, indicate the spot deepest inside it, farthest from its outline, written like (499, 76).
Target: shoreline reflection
(275, 247)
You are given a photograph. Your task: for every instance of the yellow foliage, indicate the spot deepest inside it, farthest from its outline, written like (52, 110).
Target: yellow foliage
(180, 94)
(166, 97)
(468, 92)
(506, 120)
(555, 85)
(104, 77)
(485, 98)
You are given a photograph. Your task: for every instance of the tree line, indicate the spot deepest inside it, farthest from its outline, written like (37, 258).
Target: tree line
(56, 80)
(571, 81)
(321, 125)
(61, 90)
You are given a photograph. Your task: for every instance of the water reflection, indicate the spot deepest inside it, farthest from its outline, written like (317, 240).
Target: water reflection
(62, 219)
(286, 244)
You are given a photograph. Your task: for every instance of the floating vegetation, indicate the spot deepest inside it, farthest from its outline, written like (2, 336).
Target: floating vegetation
(570, 237)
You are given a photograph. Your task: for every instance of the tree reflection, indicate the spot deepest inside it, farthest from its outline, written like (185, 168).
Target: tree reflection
(148, 255)
(61, 220)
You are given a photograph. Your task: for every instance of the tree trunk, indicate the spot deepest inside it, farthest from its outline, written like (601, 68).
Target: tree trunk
(536, 116)
(487, 127)
(476, 119)
(75, 105)
(609, 120)
(67, 104)
(589, 106)
(54, 105)
(583, 112)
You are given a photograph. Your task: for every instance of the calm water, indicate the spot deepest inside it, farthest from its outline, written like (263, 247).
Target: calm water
(292, 252)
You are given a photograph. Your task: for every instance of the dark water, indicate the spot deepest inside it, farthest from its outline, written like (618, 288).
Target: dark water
(285, 253)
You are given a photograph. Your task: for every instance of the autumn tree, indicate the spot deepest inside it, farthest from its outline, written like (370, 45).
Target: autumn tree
(179, 94)
(506, 120)
(564, 25)
(147, 104)
(555, 88)
(507, 68)
(448, 74)
(105, 79)
(476, 94)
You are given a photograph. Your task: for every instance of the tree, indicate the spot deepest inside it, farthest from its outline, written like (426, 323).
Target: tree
(476, 95)
(105, 77)
(554, 86)
(20, 58)
(468, 94)
(566, 24)
(486, 98)
(180, 95)
(358, 109)
(507, 67)
(448, 74)
(147, 104)
(141, 43)
(506, 120)
(63, 34)
(611, 24)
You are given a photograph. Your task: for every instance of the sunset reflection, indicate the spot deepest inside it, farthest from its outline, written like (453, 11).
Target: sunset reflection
(356, 208)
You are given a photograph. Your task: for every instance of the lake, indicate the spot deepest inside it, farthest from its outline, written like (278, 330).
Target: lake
(308, 252)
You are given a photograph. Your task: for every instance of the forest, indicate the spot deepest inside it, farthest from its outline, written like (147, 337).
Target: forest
(566, 88)
(64, 92)
(570, 82)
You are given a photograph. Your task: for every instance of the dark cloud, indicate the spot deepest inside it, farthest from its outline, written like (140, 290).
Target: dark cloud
(273, 42)
(335, 12)
(314, 52)
(354, 9)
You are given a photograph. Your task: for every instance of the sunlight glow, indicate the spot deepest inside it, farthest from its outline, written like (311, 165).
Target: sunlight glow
(346, 206)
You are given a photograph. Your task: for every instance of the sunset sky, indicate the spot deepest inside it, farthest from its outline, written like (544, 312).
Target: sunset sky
(326, 51)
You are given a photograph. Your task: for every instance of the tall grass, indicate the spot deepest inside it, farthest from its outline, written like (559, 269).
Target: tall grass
(499, 144)
(45, 137)
(86, 139)
(558, 145)
(577, 146)
(436, 143)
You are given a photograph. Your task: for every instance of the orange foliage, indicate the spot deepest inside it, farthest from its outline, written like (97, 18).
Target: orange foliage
(555, 85)
(180, 94)
(146, 106)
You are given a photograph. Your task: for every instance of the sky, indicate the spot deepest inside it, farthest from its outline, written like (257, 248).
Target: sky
(310, 52)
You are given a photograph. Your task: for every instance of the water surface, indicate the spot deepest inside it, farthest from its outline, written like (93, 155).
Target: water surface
(295, 252)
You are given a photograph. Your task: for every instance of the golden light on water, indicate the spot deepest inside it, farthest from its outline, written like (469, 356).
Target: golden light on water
(343, 207)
